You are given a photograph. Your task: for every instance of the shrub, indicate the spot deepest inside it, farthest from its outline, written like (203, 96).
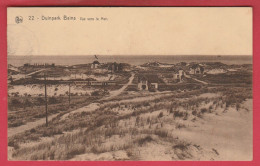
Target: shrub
(32, 130)
(96, 93)
(237, 106)
(16, 103)
(194, 113)
(185, 117)
(75, 150)
(171, 110)
(137, 120)
(160, 115)
(148, 120)
(16, 123)
(146, 104)
(161, 133)
(40, 101)
(27, 103)
(179, 126)
(142, 141)
(179, 113)
(182, 146)
(203, 110)
(50, 132)
(13, 144)
(53, 100)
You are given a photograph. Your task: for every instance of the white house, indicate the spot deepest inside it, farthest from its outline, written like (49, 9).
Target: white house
(196, 69)
(178, 75)
(142, 83)
(95, 64)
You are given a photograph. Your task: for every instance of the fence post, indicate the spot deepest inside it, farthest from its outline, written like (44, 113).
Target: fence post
(69, 95)
(46, 100)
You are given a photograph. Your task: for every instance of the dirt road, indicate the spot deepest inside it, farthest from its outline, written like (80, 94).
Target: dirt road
(203, 82)
(119, 91)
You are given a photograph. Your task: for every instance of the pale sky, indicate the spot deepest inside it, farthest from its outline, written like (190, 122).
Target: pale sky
(132, 31)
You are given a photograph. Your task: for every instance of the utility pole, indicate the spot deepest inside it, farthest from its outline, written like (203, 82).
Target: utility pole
(69, 95)
(46, 99)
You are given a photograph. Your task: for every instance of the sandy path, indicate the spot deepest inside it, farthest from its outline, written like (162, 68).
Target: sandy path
(140, 99)
(203, 82)
(24, 75)
(119, 91)
(34, 72)
(28, 126)
(89, 108)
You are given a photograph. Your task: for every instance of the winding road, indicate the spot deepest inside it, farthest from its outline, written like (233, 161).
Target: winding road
(119, 91)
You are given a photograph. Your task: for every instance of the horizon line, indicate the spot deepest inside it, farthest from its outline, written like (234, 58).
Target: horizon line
(138, 55)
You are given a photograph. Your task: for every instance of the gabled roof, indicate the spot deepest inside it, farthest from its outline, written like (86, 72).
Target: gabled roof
(151, 78)
(142, 78)
(96, 62)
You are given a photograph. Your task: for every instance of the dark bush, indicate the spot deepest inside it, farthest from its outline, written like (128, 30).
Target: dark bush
(203, 110)
(40, 101)
(99, 93)
(16, 123)
(144, 140)
(16, 103)
(53, 100)
(181, 146)
(160, 115)
(32, 130)
(171, 110)
(161, 133)
(179, 113)
(194, 113)
(27, 103)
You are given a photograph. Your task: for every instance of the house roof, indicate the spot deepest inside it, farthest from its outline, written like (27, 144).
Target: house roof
(96, 62)
(151, 78)
(142, 78)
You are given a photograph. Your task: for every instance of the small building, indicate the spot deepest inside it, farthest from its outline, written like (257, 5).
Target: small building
(179, 75)
(39, 65)
(196, 69)
(115, 67)
(95, 64)
(142, 83)
(154, 85)
(148, 82)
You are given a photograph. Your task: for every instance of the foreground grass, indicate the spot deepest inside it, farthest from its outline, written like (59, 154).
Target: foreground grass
(134, 123)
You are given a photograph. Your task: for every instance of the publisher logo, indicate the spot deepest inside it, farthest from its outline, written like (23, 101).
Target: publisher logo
(18, 19)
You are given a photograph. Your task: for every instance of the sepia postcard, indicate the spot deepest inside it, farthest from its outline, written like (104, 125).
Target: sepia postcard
(130, 83)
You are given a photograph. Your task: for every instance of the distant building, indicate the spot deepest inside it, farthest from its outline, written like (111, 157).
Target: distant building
(95, 64)
(115, 67)
(39, 65)
(148, 82)
(154, 86)
(196, 69)
(142, 83)
(179, 75)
